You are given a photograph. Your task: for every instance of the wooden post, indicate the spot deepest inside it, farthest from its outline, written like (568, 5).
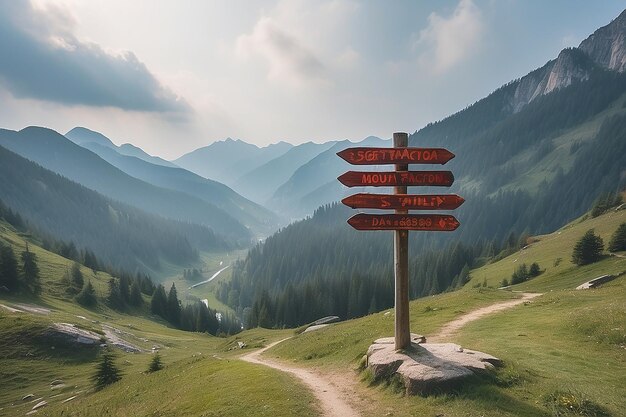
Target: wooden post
(401, 261)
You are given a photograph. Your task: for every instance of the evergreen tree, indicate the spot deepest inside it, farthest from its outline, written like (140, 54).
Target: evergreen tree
(158, 304)
(87, 296)
(30, 272)
(106, 372)
(76, 277)
(618, 239)
(114, 299)
(135, 294)
(124, 287)
(173, 306)
(155, 363)
(9, 275)
(588, 249)
(534, 270)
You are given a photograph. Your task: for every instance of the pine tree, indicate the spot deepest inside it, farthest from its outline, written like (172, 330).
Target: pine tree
(135, 294)
(106, 372)
(155, 363)
(588, 249)
(534, 270)
(124, 287)
(618, 239)
(158, 304)
(114, 299)
(173, 306)
(76, 277)
(87, 296)
(30, 272)
(9, 275)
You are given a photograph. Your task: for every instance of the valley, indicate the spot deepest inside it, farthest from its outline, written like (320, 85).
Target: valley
(195, 209)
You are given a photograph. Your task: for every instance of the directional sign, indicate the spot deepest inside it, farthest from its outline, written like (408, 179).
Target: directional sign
(404, 201)
(424, 222)
(388, 179)
(376, 156)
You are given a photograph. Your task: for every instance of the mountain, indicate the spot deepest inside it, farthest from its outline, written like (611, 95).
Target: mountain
(226, 161)
(257, 218)
(261, 183)
(82, 136)
(55, 152)
(525, 163)
(607, 45)
(121, 235)
(308, 187)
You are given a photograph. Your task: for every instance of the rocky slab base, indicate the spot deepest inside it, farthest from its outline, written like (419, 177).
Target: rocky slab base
(426, 367)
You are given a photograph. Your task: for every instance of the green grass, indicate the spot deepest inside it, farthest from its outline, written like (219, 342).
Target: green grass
(201, 375)
(565, 342)
(553, 253)
(567, 339)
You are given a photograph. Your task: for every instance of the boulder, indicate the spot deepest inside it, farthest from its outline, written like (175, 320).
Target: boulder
(28, 397)
(426, 367)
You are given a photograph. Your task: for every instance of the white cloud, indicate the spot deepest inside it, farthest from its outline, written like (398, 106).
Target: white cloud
(287, 58)
(450, 40)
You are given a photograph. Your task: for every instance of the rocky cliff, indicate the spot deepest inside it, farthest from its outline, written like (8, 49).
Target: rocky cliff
(605, 48)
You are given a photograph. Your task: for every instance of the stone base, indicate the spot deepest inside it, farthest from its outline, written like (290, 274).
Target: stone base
(426, 367)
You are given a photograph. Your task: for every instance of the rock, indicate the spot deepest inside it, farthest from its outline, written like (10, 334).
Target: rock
(69, 333)
(58, 386)
(30, 413)
(427, 367)
(596, 282)
(67, 400)
(57, 382)
(28, 397)
(315, 327)
(40, 404)
(241, 345)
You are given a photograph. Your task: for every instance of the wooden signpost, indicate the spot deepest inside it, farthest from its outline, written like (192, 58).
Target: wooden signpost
(401, 222)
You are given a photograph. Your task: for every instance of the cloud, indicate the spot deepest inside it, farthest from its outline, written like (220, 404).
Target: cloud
(287, 58)
(451, 40)
(40, 58)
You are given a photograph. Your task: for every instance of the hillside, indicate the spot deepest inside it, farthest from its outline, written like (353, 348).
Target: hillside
(545, 344)
(123, 236)
(228, 160)
(260, 220)
(56, 153)
(31, 358)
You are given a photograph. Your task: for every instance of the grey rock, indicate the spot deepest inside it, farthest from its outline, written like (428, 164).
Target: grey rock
(40, 404)
(427, 367)
(28, 397)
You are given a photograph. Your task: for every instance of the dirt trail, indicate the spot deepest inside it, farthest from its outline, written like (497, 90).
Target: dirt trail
(337, 391)
(330, 396)
(455, 325)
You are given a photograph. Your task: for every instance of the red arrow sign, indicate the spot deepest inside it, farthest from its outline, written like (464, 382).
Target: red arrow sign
(388, 179)
(404, 201)
(376, 156)
(424, 222)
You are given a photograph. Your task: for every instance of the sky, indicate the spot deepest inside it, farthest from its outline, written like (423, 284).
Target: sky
(172, 76)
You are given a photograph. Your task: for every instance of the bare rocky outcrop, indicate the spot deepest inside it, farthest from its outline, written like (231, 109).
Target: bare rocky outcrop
(70, 334)
(605, 48)
(607, 45)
